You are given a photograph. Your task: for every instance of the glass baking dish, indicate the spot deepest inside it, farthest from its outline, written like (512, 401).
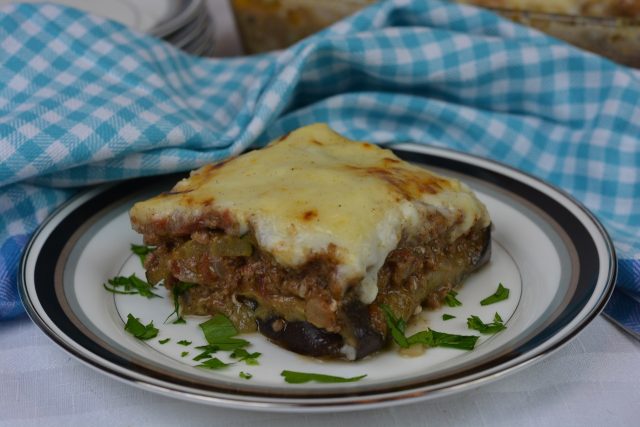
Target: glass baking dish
(266, 25)
(615, 38)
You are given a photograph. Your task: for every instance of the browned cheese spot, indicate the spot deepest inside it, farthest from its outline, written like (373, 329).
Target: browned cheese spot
(219, 164)
(408, 184)
(309, 215)
(389, 160)
(202, 175)
(283, 137)
(316, 142)
(174, 193)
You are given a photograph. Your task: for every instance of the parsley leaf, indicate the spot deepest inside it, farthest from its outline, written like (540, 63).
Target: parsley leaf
(208, 350)
(447, 316)
(130, 285)
(293, 377)
(229, 344)
(219, 332)
(451, 300)
(429, 338)
(244, 356)
(500, 294)
(245, 375)
(138, 330)
(475, 323)
(177, 290)
(184, 342)
(164, 341)
(213, 363)
(184, 353)
(219, 326)
(142, 251)
(396, 326)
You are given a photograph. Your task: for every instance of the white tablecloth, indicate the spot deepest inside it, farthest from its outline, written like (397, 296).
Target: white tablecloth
(594, 380)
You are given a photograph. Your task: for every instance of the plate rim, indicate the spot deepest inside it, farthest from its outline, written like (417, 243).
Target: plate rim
(348, 401)
(188, 8)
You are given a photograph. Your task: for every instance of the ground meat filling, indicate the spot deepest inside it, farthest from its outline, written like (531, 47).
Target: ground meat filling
(299, 308)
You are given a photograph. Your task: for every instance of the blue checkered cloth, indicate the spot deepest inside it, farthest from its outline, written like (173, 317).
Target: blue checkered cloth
(84, 100)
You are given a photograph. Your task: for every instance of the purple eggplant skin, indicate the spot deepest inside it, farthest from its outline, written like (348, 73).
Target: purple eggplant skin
(305, 338)
(368, 340)
(485, 254)
(301, 337)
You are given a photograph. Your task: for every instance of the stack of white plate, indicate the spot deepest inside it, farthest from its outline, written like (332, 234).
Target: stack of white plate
(184, 23)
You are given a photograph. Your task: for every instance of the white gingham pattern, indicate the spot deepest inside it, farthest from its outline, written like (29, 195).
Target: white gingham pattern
(84, 100)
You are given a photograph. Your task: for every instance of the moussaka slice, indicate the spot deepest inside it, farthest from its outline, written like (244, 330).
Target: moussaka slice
(308, 238)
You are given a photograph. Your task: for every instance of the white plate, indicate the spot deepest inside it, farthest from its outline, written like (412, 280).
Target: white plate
(552, 254)
(158, 17)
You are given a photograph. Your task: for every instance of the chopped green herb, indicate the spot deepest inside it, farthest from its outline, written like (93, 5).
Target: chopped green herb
(219, 326)
(164, 341)
(219, 332)
(207, 351)
(184, 353)
(500, 294)
(429, 338)
(293, 377)
(451, 300)
(184, 342)
(213, 363)
(138, 330)
(202, 356)
(447, 316)
(178, 289)
(396, 326)
(245, 375)
(244, 356)
(475, 323)
(227, 344)
(142, 251)
(209, 348)
(130, 285)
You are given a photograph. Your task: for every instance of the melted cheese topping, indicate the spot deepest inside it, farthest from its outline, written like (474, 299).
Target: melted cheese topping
(314, 191)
